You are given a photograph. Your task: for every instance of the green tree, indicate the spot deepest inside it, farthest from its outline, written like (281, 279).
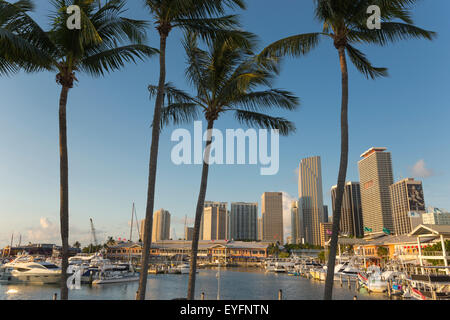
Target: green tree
(105, 42)
(77, 245)
(206, 17)
(227, 78)
(345, 23)
(19, 39)
(110, 241)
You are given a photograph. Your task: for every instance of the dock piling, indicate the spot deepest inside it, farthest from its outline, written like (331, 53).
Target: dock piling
(55, 296)
(202, 297)
(280, 294)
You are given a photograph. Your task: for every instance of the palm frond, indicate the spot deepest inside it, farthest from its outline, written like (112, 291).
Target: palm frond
(294, 46)
(363, 64)
(255, 119)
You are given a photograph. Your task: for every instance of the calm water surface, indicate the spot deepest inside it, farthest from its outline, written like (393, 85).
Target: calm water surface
(235, 284)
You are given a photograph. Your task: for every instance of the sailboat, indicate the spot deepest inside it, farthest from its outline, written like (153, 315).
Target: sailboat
(127, 274)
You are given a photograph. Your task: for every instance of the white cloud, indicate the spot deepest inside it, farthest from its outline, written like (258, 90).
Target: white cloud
(419, 170)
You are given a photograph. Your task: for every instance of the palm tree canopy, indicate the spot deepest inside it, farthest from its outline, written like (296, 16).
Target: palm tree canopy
(205, 17)
(105, 42)
(345, 22)
(228, 78)
(20, 39)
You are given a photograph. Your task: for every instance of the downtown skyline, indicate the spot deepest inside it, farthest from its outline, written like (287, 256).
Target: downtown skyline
(108, 154)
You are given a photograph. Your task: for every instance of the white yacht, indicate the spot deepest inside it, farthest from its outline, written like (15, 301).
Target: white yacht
(345, 271)
(25, 269)
(373, 280)
(114, 275)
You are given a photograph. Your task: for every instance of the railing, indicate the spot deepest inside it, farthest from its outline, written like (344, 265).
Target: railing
(432, 253)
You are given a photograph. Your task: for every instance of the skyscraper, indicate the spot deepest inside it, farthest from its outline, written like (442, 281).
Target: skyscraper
(297, 228)
(188, 233)
(243, 221)
(161, 225)
(325, 213)
(214, 223)
(215, 204)
(408, 205)
(375, 177)
(272, 216)
(351, 222)
(325, 232)
(310, 196)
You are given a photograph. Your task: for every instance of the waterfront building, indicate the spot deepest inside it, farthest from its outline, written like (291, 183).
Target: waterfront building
(209, 251)
(351, 223)
(272, 216)
(375, 177)
(325, 232)
(436, 216)
(408, 204)
(214, 223)
(243, 221)
(311, 198)
(161, 225)
(188, 233)
(297, 228)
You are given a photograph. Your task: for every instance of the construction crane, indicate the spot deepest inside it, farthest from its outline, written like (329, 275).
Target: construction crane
(94, 237)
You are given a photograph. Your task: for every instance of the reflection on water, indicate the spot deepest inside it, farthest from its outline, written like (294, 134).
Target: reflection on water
(235, 284)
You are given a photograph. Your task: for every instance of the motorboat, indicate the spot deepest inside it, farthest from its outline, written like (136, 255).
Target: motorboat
(27, 269)
(428, 287)
(372, 280)
(113, 275)
(345, 271)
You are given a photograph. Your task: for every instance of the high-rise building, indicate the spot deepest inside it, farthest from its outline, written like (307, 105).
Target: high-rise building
(351, 222)
(161, 225)
(325, 213)
(408, 204)
(214, 223)
(260, 229)
(310, 196)
(436, 216)
(272, 216)
(243, 221)
(215, 204)
(325, 232)
(297, 228)
(188, 233)
(142, 230)
(375, 177)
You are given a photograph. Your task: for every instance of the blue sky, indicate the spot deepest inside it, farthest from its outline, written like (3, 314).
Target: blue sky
(109, 132)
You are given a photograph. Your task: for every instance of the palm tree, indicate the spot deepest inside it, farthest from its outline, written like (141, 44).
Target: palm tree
(77, 245)
(18, 39)
(345, 23)
(227, 78)
(202, 16)
(105, 42)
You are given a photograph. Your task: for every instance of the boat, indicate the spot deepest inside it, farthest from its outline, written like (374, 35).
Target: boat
(319, 273)
(29, 269)
(373, 280)
(113, 275)
(428, 287)
(346, 271)
(279, 265)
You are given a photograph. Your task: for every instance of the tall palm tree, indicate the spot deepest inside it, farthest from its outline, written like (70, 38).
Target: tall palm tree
(105, 42)
(345, 23)
(18, 39)
(227, 78)
(207, 18)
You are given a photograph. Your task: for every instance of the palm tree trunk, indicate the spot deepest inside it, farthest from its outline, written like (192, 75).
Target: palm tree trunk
(341, 177)
(199, 213)
(64, 190)
(152, 170)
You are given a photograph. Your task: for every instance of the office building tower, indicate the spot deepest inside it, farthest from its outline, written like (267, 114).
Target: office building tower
(436, 216)
(260, 229)
(351, 222)
(311, 198)
(325, 232)
(243, 221)
(188, 233)
(325, 213)
(375, 177)
(272, 216)
(297, 228)
(214, 223)
(408, 205)
(161, 225)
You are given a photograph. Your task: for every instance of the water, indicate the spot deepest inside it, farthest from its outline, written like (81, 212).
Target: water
(235, 284)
